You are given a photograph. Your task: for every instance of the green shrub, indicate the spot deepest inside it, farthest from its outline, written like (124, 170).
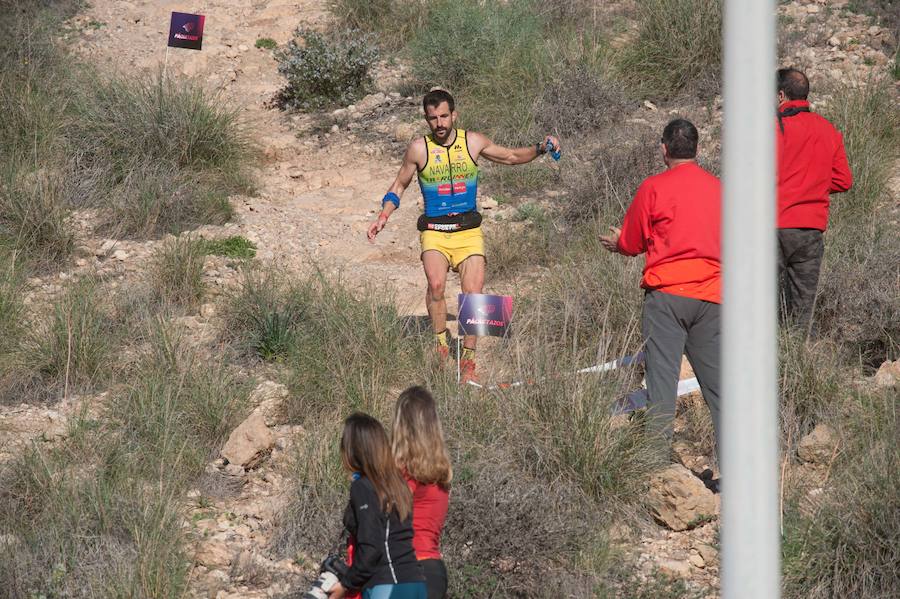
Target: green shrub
(678, 47)
(265, 43)
(230, 247)
(601, 190)
(327, 336)
(325, 70)
(176, 271)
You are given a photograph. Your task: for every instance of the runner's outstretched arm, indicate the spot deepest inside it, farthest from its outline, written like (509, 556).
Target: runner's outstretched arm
(483, 146)
(392, 198)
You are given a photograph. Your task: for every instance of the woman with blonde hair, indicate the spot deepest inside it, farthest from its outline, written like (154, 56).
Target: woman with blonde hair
(421, 454)
(378, 518)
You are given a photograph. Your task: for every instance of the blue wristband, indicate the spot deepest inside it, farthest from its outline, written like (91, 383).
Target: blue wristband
(392, 198)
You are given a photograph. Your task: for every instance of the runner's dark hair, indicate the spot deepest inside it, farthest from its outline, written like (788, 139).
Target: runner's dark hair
(793, 83)
(680, 138)
(435, 97)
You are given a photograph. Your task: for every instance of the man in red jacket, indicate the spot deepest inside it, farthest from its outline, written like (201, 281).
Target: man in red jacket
(675, 218)
(812, 164)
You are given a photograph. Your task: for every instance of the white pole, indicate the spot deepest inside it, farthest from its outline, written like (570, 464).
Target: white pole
(750, 537)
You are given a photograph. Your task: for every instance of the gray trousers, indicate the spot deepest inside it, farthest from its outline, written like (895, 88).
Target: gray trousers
(673, 325)
(799, 260)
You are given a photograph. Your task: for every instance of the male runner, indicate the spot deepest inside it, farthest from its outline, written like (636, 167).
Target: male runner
(447, 167)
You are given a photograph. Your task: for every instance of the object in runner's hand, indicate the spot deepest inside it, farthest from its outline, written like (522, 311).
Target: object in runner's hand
(553, 151)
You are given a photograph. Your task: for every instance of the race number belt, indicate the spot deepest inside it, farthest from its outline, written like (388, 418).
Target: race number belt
(450, 223)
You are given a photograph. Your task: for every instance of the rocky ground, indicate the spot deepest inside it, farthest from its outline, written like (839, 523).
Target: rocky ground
(319, 185)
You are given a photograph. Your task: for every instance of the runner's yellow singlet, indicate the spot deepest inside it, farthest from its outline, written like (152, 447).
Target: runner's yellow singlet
(449, 180)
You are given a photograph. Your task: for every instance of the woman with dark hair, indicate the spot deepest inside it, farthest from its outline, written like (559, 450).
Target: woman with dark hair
(421, 454)
(378, 518)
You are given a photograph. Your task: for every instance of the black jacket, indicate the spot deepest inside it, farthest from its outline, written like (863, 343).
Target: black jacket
(383, 551)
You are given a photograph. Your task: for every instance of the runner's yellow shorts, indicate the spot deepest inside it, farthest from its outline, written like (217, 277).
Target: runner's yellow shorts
(455, 247)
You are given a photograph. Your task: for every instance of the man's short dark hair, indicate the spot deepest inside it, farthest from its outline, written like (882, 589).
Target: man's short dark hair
(793, 83)
(680, 138)
(435, 97)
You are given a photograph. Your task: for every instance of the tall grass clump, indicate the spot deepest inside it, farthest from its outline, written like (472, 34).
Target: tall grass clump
(35, 217)
(34, 77)
(176, 272)
(12, 314)
(99, 514)
(862, 249)
(127, 122)
(395, 20)
(165, 154)
(811, 384)
(492, 57)
(678, 48)
(264, 315)
(73, 349)
(849, 544)
(335, 343)
(589, 306)
(325, 69)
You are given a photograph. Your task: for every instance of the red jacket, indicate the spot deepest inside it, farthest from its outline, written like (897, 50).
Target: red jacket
(812, 164)
(675, 218)
(430, 504)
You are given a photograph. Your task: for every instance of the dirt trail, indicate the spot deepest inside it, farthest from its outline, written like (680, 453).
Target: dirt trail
(316, 193)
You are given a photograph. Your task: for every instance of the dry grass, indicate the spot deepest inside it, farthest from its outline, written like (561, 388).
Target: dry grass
(678, 47)
(176, 272)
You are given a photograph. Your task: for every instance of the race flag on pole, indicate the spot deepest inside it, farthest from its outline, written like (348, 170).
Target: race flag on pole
(484, 315)
(186, 31)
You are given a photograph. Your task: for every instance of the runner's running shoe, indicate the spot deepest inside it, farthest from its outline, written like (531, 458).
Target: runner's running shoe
(442, 345)
(467, 371)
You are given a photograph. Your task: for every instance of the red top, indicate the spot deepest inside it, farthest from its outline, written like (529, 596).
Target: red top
(675, 218)
(430, 503)
(812, 164)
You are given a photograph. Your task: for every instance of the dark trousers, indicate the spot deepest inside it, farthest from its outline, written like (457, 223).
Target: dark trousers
(435, 577)
(799, 260)
(673, 325)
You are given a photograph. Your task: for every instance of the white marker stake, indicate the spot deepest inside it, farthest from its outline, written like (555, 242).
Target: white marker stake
(750, 539)
(458, 377)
